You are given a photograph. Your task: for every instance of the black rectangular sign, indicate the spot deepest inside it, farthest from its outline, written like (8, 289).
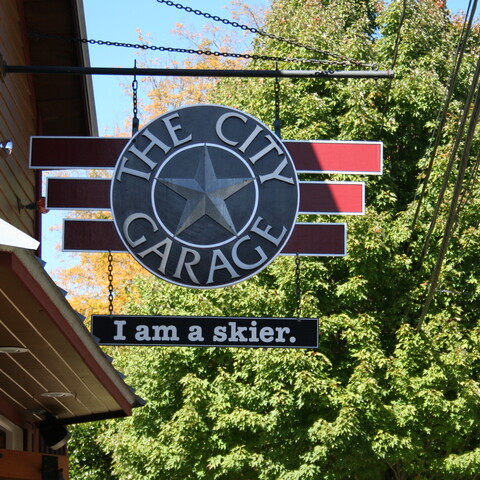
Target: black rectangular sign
(205, 331)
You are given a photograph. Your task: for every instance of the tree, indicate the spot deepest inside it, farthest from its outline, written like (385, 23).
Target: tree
(381, 397)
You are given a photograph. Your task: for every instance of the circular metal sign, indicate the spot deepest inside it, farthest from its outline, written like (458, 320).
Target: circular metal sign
(204, 196)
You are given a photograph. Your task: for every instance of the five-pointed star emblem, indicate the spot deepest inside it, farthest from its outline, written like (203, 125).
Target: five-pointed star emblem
(205, 194)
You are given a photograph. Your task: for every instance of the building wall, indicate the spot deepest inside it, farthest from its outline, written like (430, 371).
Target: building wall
(17, 122)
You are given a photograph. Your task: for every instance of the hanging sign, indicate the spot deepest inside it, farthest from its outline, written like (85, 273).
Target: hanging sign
(205, 331)
(317, 198)
(205, 196)
(313, 156)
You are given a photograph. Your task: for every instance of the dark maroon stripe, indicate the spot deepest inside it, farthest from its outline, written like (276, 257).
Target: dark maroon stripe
(329, 198)
(78, 193)
(75, 152)
(317, 239)
(103, 152)
(91, 235)
(322, 198)
(306, 239)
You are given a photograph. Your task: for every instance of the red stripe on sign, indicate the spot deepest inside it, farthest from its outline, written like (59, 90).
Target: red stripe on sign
(317, 239)
(315, 197)
(91, 236)
(103, 152)
(321, 239)
(78, 193)
(336, 157)
(332, 198)
(75, 152)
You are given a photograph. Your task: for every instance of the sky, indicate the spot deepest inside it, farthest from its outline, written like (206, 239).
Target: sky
(120, 21)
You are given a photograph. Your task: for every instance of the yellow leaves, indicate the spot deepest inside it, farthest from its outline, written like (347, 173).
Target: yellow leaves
(87, 282)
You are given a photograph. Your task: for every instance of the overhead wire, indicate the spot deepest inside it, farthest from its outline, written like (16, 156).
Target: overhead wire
(442, 115)
(263, 33)
(454, 203)
(191, 51)
(341, 60)
(457, 200)
(451, 162)
(467, 195)
(464, 200)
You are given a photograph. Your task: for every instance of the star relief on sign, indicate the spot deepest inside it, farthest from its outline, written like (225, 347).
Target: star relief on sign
(205, 194)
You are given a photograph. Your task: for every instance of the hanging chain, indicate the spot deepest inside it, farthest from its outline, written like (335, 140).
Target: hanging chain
(190, 51)
(298, 285)
(262, 33)
(277, 124)
(135, 121)
(110, 283)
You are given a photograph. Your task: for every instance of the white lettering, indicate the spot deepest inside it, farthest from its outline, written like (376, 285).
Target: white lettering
(165, 333)
(250, 139)
(220, 334)
(154, 142)
(130, 171)
(167, 243)
(253, 332)
(276, 174)
(273, 146)
(195, 333)
(142, 155)
(219, 127)
(172, 129)
(126, 225)
(119, 335)
(236, 333)
(266, 334)
(188, 265)
(142, 334)
(281, 331)
(218, 254)
(264, 233)
(247, 266)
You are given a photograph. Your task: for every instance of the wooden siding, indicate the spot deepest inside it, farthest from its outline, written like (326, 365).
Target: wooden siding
(17, 123)
(26, 465)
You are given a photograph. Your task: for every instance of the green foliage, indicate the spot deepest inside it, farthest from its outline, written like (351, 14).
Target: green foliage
(90, 460)
(353, 409)
(380, 399)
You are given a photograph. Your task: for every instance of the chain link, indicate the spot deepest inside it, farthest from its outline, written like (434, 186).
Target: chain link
(110, 283)
(262, 33)
(298, 285)
(191, 51)
(135, 121)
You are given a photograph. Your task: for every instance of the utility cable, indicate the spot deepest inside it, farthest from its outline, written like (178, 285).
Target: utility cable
(442, 116)
(453, 212)
(464, 199)
(452, 158)
(191, 51)
(262, 33)
(467, 194)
